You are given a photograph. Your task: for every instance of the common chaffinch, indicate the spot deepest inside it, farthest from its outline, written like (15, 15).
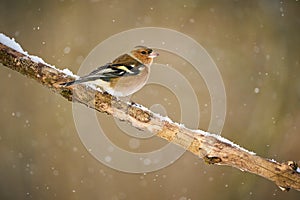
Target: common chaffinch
(124, 76)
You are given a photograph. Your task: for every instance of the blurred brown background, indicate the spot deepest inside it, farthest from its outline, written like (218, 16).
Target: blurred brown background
(255, 44)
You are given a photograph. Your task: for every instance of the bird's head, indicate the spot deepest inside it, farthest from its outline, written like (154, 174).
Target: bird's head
(144, 54)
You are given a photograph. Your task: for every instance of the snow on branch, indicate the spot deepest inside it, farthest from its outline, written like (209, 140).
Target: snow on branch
(213, 149)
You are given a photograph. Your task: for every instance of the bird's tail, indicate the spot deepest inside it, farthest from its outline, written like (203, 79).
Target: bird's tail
(80, 80)
(66, 84)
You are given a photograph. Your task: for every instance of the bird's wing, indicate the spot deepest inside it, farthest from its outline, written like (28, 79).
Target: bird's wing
(111, 70)
(122, 66)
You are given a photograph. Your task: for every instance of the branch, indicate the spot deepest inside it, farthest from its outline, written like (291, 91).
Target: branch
(213, 149)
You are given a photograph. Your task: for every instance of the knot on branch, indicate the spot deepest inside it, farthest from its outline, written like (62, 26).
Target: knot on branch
(293, 165)
(139, 114)
(168, 131)
(212, 160)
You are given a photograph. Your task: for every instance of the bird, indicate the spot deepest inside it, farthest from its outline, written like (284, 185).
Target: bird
(124, 76)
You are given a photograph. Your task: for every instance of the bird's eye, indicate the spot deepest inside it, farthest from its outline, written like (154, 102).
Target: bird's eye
(143, 52)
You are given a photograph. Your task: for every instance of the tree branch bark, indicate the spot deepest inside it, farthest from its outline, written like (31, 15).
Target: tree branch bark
(211, 148)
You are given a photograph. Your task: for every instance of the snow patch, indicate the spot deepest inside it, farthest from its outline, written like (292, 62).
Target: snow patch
(39, 60)
(69, 73)
(94, 87)
(272, 160)
(14, 45)
(10, 42)
(220, 138)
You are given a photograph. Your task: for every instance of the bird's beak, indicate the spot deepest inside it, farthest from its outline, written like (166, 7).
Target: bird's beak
(153, 54)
